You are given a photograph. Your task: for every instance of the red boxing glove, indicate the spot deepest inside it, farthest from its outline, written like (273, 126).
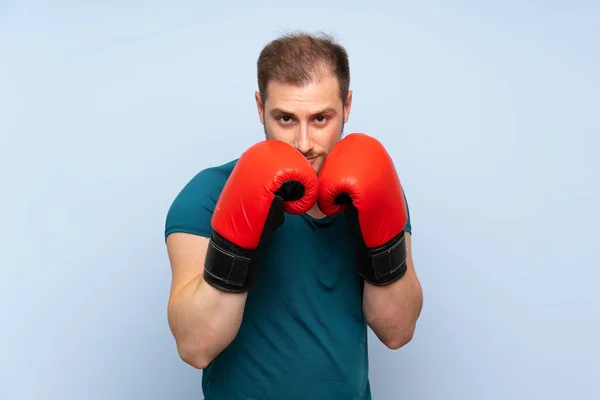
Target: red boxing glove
(359, 176)
(270, 178)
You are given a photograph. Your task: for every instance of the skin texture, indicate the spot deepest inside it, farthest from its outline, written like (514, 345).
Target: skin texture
(392, 311)
(203, 320)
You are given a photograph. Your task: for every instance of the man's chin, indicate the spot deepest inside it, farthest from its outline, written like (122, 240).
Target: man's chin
(317, 166)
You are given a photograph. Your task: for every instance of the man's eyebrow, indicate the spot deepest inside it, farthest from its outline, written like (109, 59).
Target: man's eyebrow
(328, 110)
(279, 111)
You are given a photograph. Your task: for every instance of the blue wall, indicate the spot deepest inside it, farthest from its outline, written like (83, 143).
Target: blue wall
(490, 112)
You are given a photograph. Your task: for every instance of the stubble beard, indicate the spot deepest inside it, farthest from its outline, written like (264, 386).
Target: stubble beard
(324, 156)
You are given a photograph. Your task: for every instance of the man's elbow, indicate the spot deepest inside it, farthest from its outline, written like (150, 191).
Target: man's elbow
(193, 356)
(398, 340)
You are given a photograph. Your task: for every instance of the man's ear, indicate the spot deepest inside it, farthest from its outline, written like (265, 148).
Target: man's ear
(260, 107)
(347, 106)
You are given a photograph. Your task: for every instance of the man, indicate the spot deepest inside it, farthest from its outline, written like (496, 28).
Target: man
(282, 258)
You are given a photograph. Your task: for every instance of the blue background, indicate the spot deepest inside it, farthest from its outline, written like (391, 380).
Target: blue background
(490, 110)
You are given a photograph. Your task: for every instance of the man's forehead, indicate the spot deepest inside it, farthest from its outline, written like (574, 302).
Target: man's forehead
(321, 81)
(317, 94)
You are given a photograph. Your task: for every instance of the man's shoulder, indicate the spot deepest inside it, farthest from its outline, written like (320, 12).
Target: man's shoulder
(217, 174)
(209, 181)
(192, 209)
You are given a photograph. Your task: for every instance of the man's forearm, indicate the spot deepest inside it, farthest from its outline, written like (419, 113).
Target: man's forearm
(204, 321)
(392, 310)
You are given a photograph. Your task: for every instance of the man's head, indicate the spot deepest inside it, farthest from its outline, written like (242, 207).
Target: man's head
(303, 95)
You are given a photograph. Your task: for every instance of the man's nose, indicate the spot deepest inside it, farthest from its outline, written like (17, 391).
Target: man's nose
(304, 139)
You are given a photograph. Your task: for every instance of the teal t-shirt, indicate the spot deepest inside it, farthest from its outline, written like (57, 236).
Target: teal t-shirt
(303, 334)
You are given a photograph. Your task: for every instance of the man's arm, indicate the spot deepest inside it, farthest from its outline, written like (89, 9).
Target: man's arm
(211, 277)
(359, 177)
(392, 310)
(203, 320)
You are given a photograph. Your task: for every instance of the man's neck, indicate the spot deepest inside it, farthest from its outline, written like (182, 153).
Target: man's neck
(315, 212)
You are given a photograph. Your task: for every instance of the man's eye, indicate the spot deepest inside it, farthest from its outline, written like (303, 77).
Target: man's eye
(285, 118)
(321, 119)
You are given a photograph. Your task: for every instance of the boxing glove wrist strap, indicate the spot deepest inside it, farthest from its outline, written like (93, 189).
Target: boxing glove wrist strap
(228, 267)
(386, 264)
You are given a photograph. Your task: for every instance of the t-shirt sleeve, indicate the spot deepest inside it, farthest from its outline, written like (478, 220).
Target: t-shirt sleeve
(192, 209)
(408, 227)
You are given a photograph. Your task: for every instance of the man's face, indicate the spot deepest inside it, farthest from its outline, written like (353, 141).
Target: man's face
(311, 118)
